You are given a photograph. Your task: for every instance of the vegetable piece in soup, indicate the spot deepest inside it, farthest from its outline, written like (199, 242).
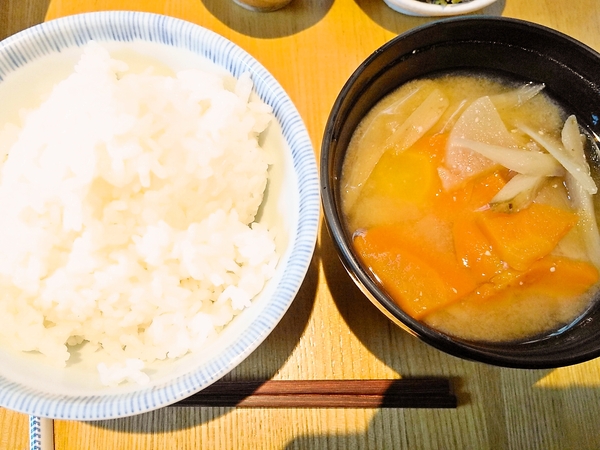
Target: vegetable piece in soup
(471, 201)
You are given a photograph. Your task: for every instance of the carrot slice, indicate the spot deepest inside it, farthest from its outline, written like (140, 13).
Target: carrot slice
(419, 278)
(474, 250)
(560, 277)
(433, 146)
(552, 277)
(471, 196)
(524, 237)
(497, 284)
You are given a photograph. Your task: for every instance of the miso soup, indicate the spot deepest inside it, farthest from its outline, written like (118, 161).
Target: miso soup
(471, 200)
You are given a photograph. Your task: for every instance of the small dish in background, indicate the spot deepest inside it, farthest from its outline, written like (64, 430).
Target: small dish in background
(262, 5)
(422, 8)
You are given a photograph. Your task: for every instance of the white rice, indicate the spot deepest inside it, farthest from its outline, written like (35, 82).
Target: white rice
(128, 204)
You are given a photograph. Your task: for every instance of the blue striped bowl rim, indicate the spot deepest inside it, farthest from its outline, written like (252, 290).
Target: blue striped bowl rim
(126, 26)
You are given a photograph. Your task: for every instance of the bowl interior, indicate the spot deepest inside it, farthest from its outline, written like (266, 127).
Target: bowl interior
(517, 50)
(30, 63)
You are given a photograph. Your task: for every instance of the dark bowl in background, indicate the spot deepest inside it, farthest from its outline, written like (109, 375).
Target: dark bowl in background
(518, 49)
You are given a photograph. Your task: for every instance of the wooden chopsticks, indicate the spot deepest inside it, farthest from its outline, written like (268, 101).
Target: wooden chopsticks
(399, 393)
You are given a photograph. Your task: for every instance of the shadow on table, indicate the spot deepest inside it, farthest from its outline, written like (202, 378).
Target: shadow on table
(491, 428)
(262, 364)
(398, 23)
(377, 333)
(297, 16)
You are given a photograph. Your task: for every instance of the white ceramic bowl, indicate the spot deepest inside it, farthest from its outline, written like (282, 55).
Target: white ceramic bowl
(37, 56)
(420, 8)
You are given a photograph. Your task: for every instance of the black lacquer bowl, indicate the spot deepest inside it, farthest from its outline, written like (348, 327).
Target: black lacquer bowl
(522, 50)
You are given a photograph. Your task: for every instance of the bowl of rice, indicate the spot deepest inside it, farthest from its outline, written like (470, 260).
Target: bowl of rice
(160, 208)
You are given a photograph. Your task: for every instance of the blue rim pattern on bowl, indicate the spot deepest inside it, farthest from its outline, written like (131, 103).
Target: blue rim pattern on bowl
(126, 26)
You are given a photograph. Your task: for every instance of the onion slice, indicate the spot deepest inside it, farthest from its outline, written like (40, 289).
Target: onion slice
(527, 162)
(517, 194)
(581, 197)
(419, 122)
(582, 201)
(571, 158)
(359, 173)
(453, 117)
(517, 97)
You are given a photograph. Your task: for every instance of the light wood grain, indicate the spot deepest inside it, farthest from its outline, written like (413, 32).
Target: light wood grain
(331, 331)
(16, 15)
(14, 430)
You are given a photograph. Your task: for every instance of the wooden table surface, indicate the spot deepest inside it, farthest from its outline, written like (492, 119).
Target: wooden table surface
(331, 330)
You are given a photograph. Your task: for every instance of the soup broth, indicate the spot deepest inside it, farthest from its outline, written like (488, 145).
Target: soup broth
(471, 201)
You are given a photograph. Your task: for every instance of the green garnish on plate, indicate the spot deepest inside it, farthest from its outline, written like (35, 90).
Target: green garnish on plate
(445, 2)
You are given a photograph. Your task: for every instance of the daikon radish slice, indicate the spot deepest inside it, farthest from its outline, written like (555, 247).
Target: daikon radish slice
(479, 122)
